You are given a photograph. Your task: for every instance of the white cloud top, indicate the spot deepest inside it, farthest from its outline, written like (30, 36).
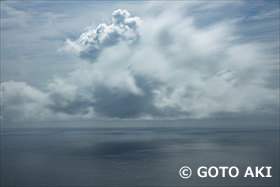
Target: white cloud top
(91, 43)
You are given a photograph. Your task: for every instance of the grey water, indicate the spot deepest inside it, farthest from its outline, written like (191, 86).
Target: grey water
(135, 156)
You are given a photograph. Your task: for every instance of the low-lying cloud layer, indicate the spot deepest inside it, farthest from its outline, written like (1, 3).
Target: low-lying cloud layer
(163, 67)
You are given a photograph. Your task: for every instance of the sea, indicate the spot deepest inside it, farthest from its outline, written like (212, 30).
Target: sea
(139, 156)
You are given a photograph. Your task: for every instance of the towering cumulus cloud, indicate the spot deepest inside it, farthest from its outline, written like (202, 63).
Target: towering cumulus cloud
(162, 67)
(91, 43)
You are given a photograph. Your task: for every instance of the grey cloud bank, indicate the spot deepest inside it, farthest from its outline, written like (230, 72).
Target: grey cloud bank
(163, 67)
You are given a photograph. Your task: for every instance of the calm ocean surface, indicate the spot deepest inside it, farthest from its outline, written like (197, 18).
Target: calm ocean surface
(134, 156)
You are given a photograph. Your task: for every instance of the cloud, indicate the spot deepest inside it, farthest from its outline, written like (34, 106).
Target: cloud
(64, 98)
(163, 67)
(92, 42)
(266, 15)
(11, 17)
(22, 102)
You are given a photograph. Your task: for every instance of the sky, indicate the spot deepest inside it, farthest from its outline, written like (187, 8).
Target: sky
(139, 60)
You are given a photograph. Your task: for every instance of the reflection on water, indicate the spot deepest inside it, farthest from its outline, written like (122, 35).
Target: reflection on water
(134, 156)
